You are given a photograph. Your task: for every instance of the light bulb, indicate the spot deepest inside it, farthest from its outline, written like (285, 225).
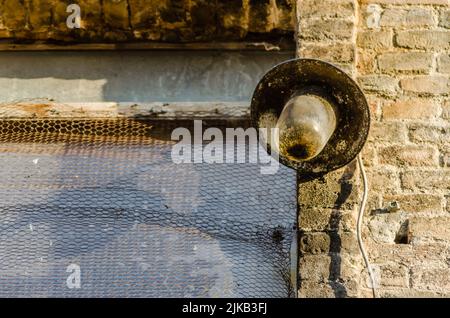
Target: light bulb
(305, 125)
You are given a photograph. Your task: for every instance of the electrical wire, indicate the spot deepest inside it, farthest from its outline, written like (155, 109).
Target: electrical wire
(362, 208)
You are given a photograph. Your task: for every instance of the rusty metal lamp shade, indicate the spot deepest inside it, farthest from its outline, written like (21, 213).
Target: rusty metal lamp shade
(301, 81)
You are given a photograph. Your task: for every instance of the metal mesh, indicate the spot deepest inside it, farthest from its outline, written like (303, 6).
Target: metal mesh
(106, 196)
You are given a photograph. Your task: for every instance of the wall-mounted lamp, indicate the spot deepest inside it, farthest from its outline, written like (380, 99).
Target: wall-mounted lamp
(321, 114)
(322, 118)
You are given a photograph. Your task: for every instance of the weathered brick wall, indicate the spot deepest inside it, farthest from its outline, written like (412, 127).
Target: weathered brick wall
(329, 264)
(149, 20)
(399, 52)
(402, 66)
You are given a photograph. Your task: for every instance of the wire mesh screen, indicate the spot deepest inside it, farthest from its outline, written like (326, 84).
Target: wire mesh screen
(103, 199)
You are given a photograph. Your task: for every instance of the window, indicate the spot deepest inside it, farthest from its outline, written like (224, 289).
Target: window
(92, 203)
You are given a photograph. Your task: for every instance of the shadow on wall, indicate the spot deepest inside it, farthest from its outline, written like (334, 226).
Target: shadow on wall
(133, 76)
(346, 188)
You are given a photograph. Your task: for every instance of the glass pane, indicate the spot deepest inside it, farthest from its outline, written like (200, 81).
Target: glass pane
(133, 76)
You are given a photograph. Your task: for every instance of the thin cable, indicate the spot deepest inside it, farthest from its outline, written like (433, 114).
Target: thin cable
(362, 208)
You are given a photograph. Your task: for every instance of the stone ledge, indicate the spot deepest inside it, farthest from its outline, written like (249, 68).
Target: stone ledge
(159, 110)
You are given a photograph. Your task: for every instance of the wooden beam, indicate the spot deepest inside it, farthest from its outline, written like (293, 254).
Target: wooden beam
(156, 110)
(200, 46)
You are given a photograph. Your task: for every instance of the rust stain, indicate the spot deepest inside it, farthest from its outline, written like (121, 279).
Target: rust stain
(35, 110)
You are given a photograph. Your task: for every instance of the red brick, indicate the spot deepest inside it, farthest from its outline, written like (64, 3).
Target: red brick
(415, 17)
(424, 229)
(410, 155)
(385, 131)
(426, 179)
(444, 19)
(434, 85)
(321, 9)
(336, 52)
(383, 180)
(411, 109)
(424, 39)
(402, 2)
(366, 62)
(446, 109)
(320, 29)
(394, 275)
(406, 62)
(429, 133)
(436, 279)
(381, 84)
(416, 203)
(444, 63)
(377, 40)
